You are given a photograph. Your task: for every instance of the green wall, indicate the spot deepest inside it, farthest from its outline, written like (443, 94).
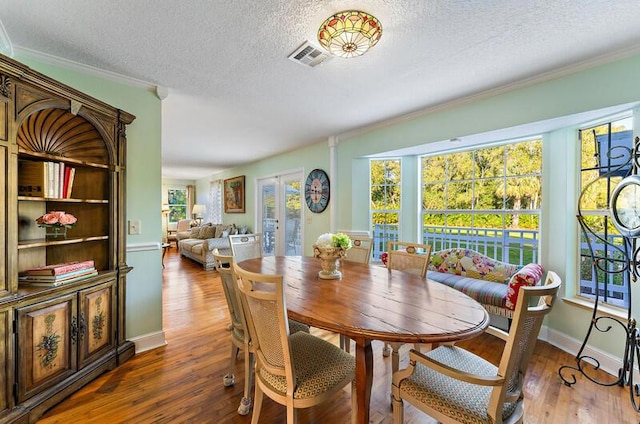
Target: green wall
(590, 89)
(304, 160)
(143, 199)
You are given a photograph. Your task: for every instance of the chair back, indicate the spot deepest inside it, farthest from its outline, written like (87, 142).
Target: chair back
(184, 225)
(408, 257)
(246, 246)
(522, 338)
(360, 250)
(264, 304)
(224, 266)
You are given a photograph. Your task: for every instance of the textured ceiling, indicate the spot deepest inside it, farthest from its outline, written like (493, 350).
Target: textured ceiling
(234, 96)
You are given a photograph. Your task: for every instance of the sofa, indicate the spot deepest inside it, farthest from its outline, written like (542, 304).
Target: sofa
(492, 283)
(201, 242)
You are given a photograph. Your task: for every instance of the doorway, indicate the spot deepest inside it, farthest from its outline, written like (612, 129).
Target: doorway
(280, 203)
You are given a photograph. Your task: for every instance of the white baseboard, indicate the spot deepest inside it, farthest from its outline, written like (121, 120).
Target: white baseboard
(149, 341)
(608, 362)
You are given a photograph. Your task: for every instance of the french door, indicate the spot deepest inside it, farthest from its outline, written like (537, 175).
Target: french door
(279, 217)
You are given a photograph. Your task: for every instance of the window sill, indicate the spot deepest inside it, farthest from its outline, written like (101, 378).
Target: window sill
(611, 311)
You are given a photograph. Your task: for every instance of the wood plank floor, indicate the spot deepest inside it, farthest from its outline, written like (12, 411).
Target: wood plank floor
(182, 381)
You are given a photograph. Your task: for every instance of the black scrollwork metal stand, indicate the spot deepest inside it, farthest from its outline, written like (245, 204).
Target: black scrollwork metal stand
(628, 262)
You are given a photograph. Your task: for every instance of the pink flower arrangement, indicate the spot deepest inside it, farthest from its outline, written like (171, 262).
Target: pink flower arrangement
(56, 219)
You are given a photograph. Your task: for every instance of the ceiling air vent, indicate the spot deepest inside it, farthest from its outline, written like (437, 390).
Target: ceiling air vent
(309, 55)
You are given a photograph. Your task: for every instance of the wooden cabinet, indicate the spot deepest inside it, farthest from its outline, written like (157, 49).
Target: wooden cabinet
(61, 335)
(55, 339)
(47, 344)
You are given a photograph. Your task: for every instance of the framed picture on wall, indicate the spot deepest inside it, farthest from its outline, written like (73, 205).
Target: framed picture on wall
(234, 195)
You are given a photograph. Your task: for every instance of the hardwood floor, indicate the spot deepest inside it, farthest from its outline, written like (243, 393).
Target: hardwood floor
(182, 381)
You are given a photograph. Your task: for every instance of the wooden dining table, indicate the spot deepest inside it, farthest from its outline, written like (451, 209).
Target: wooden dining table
(371, 303)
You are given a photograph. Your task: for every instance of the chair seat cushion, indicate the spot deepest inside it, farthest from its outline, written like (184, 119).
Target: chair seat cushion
(465, 401)
(319, 367)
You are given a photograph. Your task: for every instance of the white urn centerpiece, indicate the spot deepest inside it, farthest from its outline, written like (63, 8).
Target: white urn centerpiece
(330, 248)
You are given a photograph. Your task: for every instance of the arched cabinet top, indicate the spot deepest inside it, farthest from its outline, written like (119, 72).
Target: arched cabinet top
(59, 133)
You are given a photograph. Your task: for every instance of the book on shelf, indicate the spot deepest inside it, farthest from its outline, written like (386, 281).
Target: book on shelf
(57, 277)
(60, 180)
(69, 182)
(32, 178)
(51, 179)
(65, 182)
(32, 281)
(62, 268)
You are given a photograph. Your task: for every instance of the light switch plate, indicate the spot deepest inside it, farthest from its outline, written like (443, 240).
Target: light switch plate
(135, 227)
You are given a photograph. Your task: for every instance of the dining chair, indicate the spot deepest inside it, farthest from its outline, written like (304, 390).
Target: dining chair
(453, 385)
(296, 370)
(407, 257)
(246, 246)
(360, 252)
(240, 336)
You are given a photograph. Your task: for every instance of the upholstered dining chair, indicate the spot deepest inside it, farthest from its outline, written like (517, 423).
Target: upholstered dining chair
(239, 332)
(407, 257)
(296, 370)
(240, 336)
(453, 385)
(246, 246)
(360, 252)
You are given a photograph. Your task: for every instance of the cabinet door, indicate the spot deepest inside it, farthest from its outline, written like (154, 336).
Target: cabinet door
(47, 348)
(96, 322)
(5, 359)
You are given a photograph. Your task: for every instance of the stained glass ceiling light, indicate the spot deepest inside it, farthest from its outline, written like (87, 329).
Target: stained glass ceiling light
(350, 33)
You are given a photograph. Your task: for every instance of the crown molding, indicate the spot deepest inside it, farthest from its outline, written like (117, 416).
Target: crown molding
(485, 94)
(80, 67)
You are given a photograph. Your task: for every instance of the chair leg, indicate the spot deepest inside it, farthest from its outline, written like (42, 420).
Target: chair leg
(292, 415)
(386, 351)
(257, 405)
(398, 409)
(229, 379)
(245, 402)
(354, 403)
(395, 356)
(345, 343)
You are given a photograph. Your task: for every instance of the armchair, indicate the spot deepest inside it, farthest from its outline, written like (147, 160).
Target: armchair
(453, 385)
(296, 370)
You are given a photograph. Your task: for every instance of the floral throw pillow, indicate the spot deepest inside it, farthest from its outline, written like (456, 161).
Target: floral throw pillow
(529, 275)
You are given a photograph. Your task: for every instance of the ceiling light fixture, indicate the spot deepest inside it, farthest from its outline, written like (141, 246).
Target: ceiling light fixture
(350, 33)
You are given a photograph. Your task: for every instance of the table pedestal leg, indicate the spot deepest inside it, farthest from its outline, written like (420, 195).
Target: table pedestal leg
(364, 378)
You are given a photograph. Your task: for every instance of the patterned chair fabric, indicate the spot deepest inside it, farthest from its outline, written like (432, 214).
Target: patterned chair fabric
(297, 370)
(246, 246)
(240, 338)
(453, 385)
(407, 257)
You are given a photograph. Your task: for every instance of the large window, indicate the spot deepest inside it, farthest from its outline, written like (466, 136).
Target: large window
(487, 200)
(385, 203)
(605, 161)
(177, 200)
